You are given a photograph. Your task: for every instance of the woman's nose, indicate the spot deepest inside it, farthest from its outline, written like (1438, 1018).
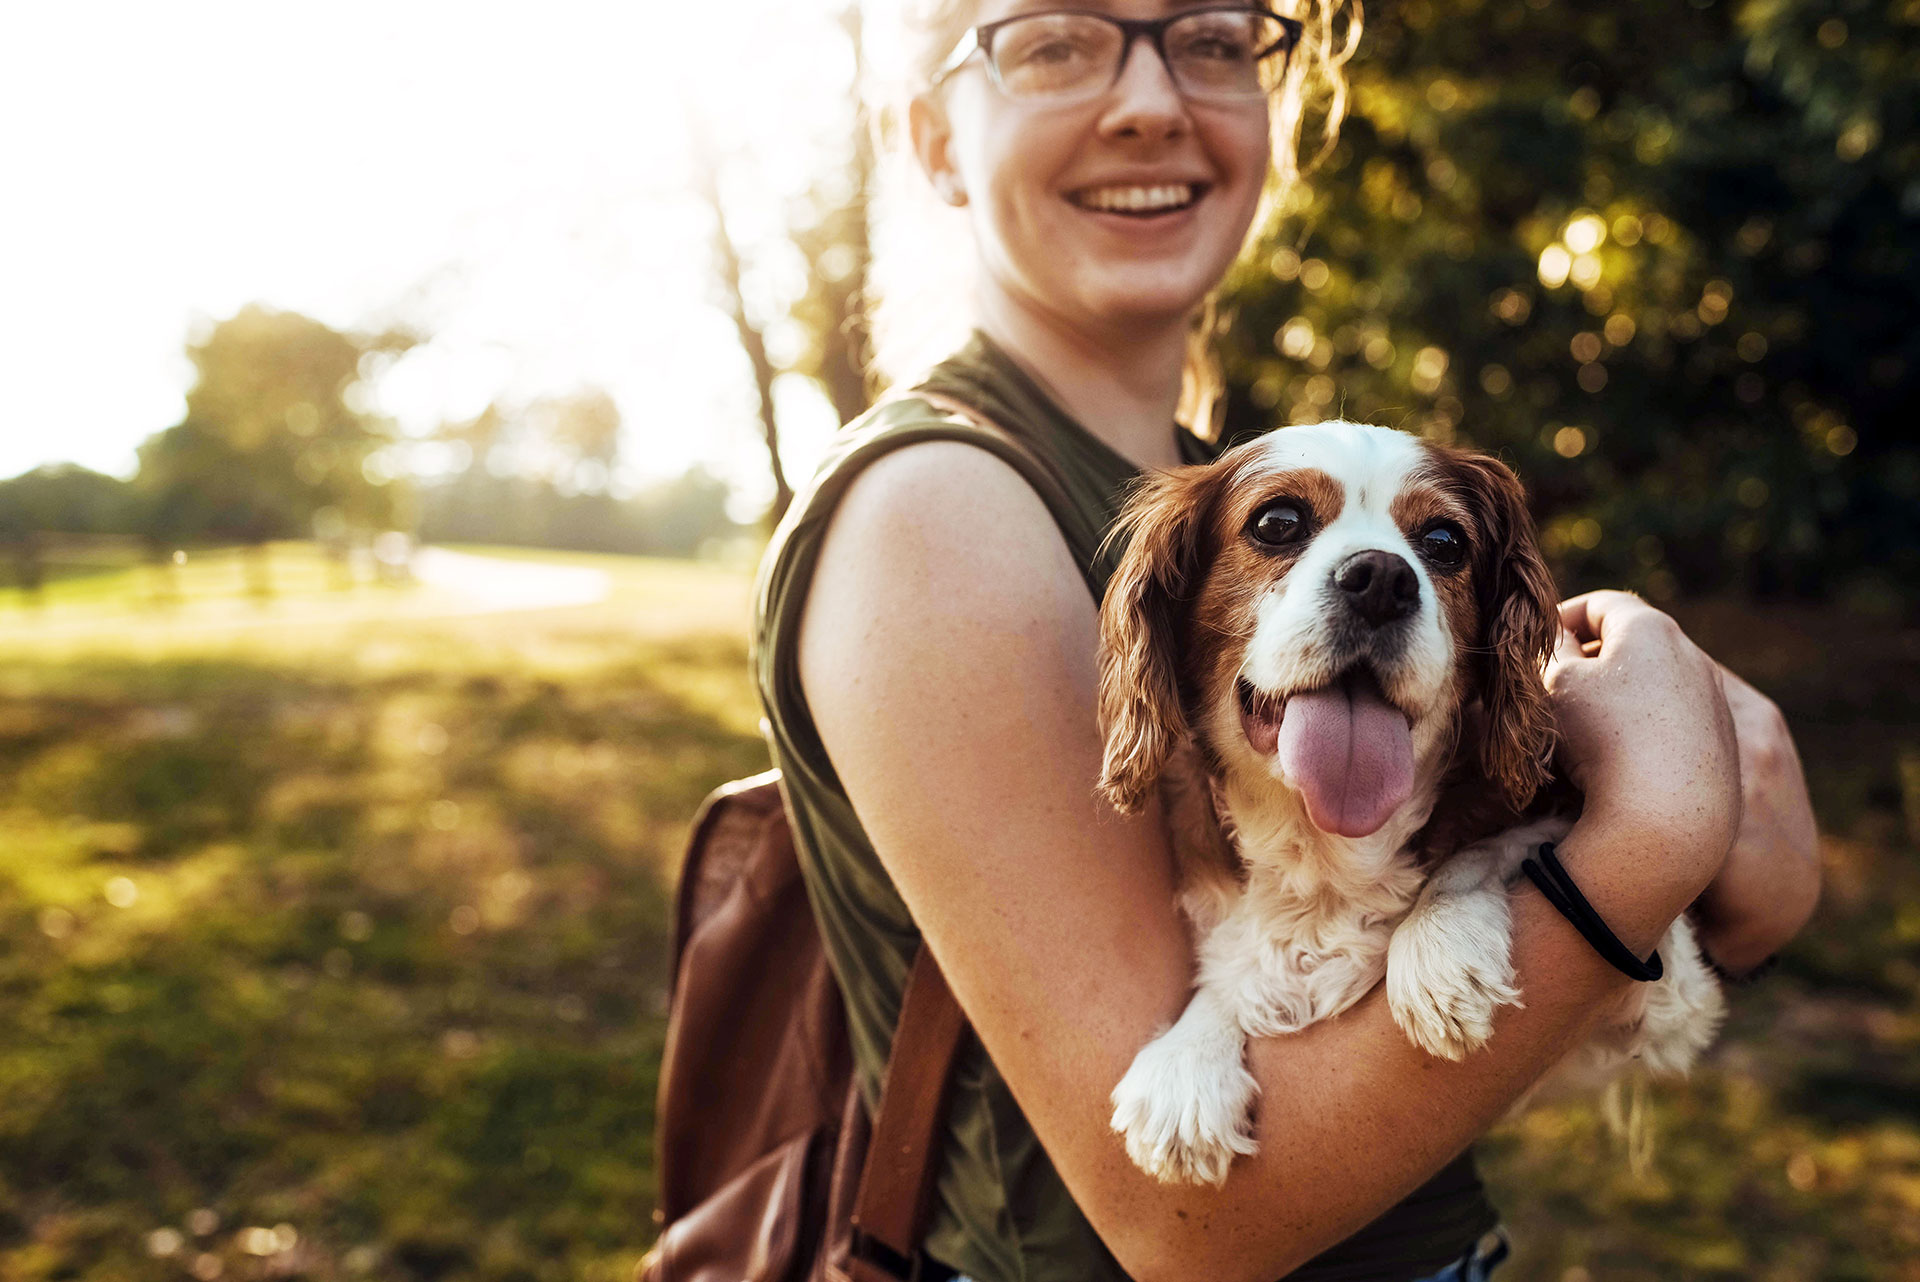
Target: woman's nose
(1144, 101)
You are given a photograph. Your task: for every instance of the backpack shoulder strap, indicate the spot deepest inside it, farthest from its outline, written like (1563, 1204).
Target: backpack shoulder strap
(897, 1180)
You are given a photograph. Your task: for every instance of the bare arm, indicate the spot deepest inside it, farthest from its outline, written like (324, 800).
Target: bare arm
(1770, 883)
(948, 657)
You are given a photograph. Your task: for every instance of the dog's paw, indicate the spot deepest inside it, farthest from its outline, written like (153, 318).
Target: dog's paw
(1184, 1115)
(1449, 968)
(1681, 1012)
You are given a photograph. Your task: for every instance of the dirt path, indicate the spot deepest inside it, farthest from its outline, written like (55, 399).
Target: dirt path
(489, 585)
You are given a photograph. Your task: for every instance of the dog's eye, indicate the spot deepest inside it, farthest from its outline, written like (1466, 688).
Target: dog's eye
(1278, 523)
(1444, 544)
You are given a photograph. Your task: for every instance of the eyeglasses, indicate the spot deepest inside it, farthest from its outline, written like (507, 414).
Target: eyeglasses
(1071, 55)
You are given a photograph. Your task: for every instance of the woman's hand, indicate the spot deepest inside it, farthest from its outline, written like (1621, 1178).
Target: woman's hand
(1646, 734)
(1770, 882)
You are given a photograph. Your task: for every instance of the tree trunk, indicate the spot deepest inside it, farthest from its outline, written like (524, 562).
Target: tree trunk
(847, 350)
(727, 264)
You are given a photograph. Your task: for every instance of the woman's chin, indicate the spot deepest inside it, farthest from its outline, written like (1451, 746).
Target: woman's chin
(1137, 302)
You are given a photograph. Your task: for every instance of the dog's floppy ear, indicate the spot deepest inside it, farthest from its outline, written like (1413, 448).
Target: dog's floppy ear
(1142, 620)
(1519, 618)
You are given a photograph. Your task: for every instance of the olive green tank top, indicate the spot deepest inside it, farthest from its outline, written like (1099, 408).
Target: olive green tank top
(1001, 1212)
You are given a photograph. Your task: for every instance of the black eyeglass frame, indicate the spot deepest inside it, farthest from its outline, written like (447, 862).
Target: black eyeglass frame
(980, 40)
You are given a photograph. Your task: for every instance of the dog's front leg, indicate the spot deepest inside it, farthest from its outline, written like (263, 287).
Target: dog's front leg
(1450, 963)
(1184, 1105)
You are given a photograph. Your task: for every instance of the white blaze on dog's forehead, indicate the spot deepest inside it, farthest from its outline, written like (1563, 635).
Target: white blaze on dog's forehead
(1295, 644)
(1370, 463)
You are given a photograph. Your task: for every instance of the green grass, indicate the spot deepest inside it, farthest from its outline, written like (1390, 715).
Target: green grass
(356, 928)
(332, 943)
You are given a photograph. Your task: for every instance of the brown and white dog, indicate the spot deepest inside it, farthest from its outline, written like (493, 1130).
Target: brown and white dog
(1341, 629)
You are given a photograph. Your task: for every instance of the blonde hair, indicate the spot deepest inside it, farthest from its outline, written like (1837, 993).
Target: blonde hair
(922, 261)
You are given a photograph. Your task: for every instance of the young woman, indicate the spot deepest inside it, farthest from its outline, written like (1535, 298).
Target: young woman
(925, 653)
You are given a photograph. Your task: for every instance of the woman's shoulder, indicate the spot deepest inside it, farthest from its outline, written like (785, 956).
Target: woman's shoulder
(903, 522)
(914, 467)
(947, 518)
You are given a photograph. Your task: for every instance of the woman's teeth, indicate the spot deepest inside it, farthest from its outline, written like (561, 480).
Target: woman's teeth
(1136, 200)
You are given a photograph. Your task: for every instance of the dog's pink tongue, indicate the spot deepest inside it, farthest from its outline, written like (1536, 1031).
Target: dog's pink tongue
(1350, 753)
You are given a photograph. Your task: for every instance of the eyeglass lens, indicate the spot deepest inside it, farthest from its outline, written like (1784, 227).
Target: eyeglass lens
(1215, 53)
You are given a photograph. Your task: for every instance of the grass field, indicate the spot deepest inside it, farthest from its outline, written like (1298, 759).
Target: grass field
(335, 929)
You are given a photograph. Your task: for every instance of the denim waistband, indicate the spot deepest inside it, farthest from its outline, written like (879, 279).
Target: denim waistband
(1478, 1264)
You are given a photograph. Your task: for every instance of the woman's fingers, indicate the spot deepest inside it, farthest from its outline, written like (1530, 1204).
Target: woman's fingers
(1590, 614)
(1771, 880)
(1566, 646)
(1643, 723)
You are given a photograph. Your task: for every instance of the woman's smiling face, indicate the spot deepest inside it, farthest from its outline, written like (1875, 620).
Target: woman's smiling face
(1122, 210)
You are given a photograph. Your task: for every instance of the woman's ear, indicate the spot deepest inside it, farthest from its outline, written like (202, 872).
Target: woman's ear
(1519, 616)
(1142, 623)
(932, 138)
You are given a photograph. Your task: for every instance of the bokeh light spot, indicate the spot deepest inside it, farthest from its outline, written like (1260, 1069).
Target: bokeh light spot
(1555, 265)
(1584, 233)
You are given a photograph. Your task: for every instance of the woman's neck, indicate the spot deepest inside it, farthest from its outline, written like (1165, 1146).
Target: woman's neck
(1124, 391)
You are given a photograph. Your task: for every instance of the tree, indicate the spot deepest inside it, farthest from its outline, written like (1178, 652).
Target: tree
(274, 434)
(832, 229)
(827, 228)
(65, 498)
(539, 475)
(60, 498)
(753, 341)
(1661, 256)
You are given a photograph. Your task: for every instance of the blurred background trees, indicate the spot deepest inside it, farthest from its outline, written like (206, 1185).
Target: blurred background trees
(278, 443)
(543, 475)
(1659, 256)
(276, 433)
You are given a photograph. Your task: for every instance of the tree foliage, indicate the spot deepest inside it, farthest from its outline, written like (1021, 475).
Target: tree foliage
(1661, 256)
(820, 330)
(275, 433)
(542, 475)
(65, 498)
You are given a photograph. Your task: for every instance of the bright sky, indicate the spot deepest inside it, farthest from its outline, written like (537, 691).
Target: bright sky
(513, 177)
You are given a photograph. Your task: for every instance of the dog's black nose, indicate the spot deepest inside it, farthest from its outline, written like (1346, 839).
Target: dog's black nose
(1379, 586)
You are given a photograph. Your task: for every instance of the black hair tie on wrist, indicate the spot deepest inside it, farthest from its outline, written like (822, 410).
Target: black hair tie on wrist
(1547, 873)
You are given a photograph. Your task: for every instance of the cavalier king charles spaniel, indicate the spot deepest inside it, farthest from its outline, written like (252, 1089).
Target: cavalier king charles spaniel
(1332, 639)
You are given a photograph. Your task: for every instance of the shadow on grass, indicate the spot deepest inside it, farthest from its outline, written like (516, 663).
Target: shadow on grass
(312, 974)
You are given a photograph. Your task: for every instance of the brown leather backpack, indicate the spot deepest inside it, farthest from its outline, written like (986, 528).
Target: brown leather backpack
(769, 1168)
